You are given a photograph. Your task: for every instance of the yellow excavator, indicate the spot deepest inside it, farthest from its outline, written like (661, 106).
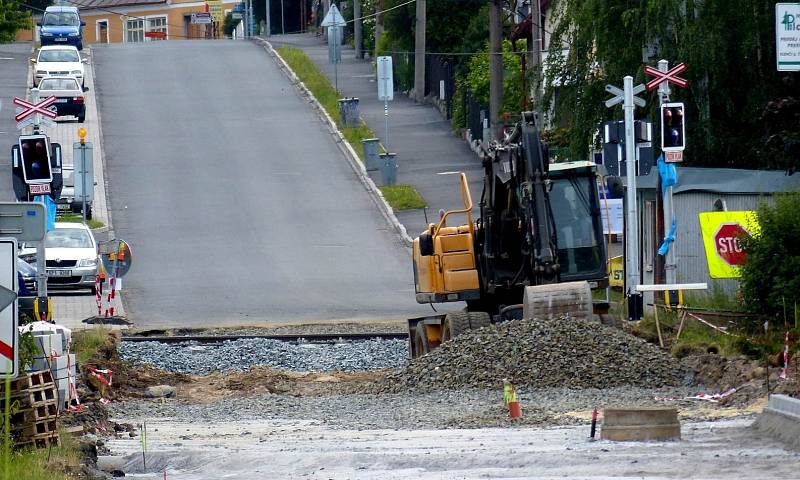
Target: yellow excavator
(536, 251)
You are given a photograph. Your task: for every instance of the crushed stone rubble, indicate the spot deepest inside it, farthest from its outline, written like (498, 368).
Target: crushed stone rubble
(563, 352)
(240, 355)
(463, 408)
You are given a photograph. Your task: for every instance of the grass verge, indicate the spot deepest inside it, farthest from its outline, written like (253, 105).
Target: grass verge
(321, 87)
(79, 219)
(403, 197)
(86, 343)
(400, 197)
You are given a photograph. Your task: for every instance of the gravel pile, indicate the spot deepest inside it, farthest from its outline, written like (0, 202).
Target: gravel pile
(559, 353)
(240, 355)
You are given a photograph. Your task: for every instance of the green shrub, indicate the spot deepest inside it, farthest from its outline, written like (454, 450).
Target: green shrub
(770, 280)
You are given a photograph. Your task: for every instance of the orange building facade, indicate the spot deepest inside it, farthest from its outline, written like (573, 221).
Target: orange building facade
(134, 21)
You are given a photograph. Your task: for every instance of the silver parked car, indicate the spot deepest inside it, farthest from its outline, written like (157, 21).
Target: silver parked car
(70, 254)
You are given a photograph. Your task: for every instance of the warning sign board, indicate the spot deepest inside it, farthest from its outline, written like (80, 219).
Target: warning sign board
(9, 354)
(722, 235)
(215, 8)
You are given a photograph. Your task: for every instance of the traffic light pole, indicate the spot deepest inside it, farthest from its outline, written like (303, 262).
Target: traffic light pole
(668, 210)
(41, 262)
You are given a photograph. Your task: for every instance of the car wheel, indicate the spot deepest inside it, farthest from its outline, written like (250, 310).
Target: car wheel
(81, 118)
(88, 212)
(93, 289)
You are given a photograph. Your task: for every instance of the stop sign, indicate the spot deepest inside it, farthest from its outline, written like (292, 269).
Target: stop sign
(726, 241)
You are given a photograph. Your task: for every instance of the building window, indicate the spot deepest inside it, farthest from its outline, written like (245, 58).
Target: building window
(157, 24)
(102, 31)
(134, 30)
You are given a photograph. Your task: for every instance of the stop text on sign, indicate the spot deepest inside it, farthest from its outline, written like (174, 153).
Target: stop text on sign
(728, 246)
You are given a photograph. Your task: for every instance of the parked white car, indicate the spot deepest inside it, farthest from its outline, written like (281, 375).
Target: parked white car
(58, 60)
(70, 255)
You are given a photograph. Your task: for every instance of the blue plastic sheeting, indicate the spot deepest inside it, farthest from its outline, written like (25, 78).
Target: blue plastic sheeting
(50, 208)
(669, 178)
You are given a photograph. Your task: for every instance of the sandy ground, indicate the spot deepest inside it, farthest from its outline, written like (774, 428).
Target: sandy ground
(281, 450)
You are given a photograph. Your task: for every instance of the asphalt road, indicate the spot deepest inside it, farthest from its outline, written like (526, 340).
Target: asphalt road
(13, 83)
(239, 206)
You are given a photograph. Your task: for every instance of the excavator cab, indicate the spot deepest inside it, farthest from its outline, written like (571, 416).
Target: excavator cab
(579, 230)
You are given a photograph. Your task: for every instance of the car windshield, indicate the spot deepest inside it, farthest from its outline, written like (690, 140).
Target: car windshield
(60, 19)
(59, 84)
(68, 238)
(59, 56)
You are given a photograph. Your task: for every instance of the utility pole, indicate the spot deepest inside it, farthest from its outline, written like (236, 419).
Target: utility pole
(378, 25)
(283, 28)
(419, 53)
(496, 67)
(357, 22)
(269, 24)
(536, 48)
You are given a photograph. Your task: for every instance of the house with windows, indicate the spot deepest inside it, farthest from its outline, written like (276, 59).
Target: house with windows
(133, 21)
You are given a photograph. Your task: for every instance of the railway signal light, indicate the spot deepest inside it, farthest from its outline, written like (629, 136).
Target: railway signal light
(673, 127)
(35, 153)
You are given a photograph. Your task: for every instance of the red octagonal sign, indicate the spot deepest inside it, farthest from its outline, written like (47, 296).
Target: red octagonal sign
(726, 241)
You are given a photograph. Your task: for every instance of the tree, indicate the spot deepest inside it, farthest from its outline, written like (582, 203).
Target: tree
(770, 282)
(729, 47)
(11, 20)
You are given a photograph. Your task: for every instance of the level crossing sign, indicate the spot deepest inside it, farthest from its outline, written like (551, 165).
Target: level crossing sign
(27, 109)
(670, 76)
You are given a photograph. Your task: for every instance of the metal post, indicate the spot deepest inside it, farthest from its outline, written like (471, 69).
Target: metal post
(41, 261)
(633, 277)
(269, 25)
(357, 22)
(668, 208)
(283, 29)
(495, 68)
(386, 123)
(83, 181)
(335, 40)
(536, 47)
(419, 53)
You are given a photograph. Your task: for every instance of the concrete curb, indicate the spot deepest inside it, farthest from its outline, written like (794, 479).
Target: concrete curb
(349, 153)
(781, 420)
(109, 227)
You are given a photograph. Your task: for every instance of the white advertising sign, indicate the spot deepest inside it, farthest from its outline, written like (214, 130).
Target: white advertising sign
(614, 213)
(787, 36)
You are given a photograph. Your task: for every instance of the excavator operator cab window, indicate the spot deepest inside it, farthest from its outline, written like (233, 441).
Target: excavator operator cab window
(579, 251)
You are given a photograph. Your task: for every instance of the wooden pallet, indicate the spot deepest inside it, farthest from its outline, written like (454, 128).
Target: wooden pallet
(35, 414)
(36, 397)
(40, 441)
(32, 381)
(35, 429)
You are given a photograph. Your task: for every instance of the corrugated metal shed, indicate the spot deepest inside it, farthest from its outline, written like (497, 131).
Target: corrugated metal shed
(698, 190)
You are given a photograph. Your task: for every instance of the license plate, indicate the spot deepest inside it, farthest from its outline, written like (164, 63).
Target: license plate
(62, 100)
(59, 273)
(61, 39)
(39, 188)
